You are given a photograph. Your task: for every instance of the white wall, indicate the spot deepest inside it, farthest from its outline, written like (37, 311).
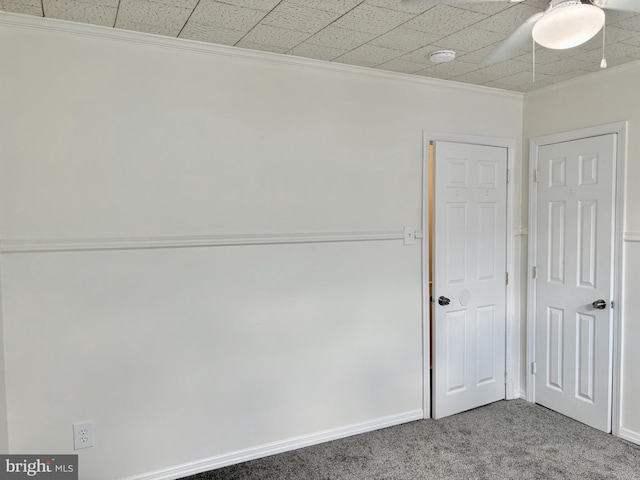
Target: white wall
(183, 354)
(607, 97)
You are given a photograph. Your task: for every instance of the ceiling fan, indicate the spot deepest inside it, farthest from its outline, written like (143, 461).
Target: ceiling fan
(564, 24)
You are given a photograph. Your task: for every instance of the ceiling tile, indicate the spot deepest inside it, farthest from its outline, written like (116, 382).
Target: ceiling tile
(539, 4)
(421, 55)
(615, 16)
(340, 38)
(521, 78)
(369, 55)
(263, 5)
(400, 6)
(293, 16)
(106, 3)
(477, 77)
(80, 11)
(402, 66)
(369, 19)
(508, 20)
(209, 12)
(450, 69)
(476, 56)
(310, 50)
(616, 34)
(403, 38)
(503, 69)
(26, 3)
(544, 56)
(613, 62)
(275, 37)
(568, 76)
(633, 41)
(178, 3)
(632, 23)
(489, 8)
(444, 20)
(212, 34)
(153, 13)
(611, 51)
(564, 66)
(27, 7)
(471, 39)
(141, 27)
(335, 6)
(612, 35)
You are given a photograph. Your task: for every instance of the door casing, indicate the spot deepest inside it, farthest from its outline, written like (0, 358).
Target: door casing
(619, 128)
(512, 329)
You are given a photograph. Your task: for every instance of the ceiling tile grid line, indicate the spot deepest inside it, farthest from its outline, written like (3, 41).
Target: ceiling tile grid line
(382, 34)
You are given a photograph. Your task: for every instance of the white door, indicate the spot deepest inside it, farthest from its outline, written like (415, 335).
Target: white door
(469, 270)
(574, 241)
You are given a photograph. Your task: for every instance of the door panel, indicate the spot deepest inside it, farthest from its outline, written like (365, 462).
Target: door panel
(469, 267)
(573, 339)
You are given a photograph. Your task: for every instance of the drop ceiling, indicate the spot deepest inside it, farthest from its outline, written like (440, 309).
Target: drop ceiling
(380, 34)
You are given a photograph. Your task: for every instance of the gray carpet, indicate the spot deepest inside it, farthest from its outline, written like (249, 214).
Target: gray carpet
(504, 440)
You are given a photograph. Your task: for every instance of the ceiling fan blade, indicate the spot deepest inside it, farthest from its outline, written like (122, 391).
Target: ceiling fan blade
(624, 5)
(510, 46)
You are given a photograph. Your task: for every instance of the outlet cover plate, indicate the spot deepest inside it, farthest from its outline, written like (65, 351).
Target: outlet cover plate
(409, 235)
(83, 435)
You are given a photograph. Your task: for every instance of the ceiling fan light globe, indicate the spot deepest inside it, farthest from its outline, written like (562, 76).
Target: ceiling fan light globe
(568, 25)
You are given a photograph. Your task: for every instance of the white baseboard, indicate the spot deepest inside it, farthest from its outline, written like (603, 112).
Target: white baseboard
(629, 435)
(523, 395)
(260, 451)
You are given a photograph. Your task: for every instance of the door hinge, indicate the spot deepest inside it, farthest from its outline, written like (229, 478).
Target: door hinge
(508, 175)
(533, 368)
(506, 278)
(505, 378)
(535, 272)
(535, 175)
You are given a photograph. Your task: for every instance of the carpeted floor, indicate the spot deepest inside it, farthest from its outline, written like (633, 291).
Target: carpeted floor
(504, 440)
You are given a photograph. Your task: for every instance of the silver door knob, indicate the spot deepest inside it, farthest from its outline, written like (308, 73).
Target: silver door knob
(599, 304)
(444, 301)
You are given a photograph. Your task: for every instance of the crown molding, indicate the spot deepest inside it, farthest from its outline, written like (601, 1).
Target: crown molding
(80, 29)
(587, 78)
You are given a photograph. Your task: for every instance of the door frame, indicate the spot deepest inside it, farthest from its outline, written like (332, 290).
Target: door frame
(512, 344)
(619, 175)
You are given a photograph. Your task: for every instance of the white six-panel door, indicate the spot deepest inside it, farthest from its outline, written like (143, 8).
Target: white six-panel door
(469, 268)
(574, 258)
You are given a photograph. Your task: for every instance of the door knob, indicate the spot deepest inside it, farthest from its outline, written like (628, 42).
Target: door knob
(599, 304)
(444, 301)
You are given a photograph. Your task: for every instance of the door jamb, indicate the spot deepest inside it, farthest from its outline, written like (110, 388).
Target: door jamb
(512, 342)
(620, 166)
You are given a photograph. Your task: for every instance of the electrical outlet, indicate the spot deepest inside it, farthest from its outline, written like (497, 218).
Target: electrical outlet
(82, 435)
